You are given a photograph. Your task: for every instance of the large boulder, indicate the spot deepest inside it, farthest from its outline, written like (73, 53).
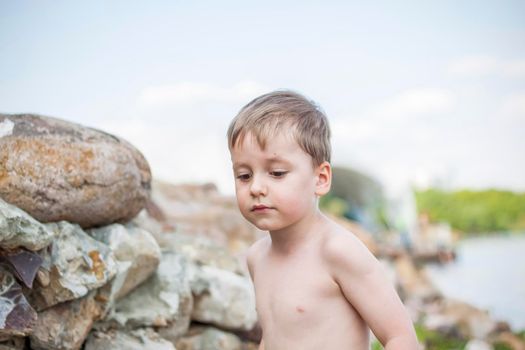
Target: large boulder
(56, 170)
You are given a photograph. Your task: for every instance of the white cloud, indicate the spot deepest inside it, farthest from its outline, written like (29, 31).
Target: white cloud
(415, 102)
(513, 108)
(179, 153)
(394, 113)
(197, 92)
(485, 65)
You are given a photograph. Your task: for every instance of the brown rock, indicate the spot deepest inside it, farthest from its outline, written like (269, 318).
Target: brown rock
(201, 210)
(56, 170)
(512, 340)
(66, 325)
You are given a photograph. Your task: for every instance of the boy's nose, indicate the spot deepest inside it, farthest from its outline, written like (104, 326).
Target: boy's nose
(257, 187)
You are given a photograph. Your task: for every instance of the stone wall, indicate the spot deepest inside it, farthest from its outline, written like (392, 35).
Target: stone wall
(91, 258)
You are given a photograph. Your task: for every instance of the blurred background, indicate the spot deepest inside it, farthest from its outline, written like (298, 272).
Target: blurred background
(426, 102)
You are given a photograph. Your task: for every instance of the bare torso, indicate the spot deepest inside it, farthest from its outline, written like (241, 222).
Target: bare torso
(300, 306)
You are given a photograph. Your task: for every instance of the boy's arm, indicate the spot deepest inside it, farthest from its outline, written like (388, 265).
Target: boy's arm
(249, 263)
(365, 285)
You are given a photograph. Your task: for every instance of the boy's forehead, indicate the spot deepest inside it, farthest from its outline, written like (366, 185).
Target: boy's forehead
(263, 142)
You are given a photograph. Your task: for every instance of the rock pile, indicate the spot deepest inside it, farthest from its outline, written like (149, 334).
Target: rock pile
(77, 272)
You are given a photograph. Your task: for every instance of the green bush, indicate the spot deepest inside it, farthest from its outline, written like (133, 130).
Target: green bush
(474, 211)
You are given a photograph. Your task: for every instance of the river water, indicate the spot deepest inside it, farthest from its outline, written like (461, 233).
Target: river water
(489, 273)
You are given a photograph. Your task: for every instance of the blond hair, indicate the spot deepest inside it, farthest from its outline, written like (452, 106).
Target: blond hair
(271, 113)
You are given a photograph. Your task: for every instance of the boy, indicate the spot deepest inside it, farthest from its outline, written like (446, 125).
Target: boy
(316, 285)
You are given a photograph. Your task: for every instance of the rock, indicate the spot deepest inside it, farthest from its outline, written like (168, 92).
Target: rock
(200, 250)
(17, 317)
(445, 325)
(208, 338)
(472, 322)
(510, 339)
(66, 325)
(223, 298)
(477, 344)
(167, 297)
(200, 210)
(19, 229)
(14, 343)
(412, 281)
(140, 339)
(24, 264)
(75, 264)
(134, 245)
(56, 170)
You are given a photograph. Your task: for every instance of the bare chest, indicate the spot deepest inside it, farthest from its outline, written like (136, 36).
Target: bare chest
(296, 296)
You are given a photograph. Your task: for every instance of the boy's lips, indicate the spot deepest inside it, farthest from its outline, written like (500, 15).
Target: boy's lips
(260, 207)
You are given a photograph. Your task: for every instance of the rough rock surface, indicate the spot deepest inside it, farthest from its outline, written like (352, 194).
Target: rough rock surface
(223, 298)
(56, 170)
(140, 339)
(17, 317)
(65, 326)
(133, 245)
(74, 264)
(208, 338)
(201, 211)
(200, 250)
(19, 229)
(164, 301)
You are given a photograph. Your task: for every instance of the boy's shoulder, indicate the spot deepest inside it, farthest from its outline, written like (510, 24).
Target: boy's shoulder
(343, 249)
(254, 250)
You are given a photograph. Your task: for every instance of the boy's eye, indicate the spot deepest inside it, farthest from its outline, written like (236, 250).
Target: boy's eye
(278, 173)
(244, 177)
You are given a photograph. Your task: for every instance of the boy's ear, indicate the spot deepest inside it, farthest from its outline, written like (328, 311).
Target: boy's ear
(324, 179)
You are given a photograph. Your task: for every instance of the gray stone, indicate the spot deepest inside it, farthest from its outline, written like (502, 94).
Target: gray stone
(472, 322)
(140, 339)
(75, 264)
(134, 247)
(17, 317)
(223, 298)
(164, 301)
(208, 338)
(66, 325)
(19, 229)
(477, 344)
(57, 170)
(200, 250)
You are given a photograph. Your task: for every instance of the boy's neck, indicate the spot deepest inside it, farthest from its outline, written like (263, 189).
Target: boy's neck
(288, 240)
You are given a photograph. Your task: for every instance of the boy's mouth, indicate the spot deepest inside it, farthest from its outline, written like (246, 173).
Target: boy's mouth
(260, 207)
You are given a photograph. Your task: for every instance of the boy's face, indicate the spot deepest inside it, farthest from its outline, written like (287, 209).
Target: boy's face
(276, 186)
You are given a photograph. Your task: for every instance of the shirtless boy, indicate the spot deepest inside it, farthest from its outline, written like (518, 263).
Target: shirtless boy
(316, 285)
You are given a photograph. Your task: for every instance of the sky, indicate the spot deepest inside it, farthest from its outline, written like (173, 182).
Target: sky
(418, 93)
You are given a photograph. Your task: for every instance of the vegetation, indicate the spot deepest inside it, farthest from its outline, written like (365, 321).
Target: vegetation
(474, 211)
(355, 196)
(433, 340)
